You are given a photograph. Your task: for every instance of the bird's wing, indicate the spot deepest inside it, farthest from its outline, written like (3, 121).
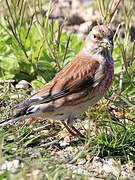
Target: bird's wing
(79, 74)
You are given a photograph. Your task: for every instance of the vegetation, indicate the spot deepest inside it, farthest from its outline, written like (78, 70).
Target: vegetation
(34, 48)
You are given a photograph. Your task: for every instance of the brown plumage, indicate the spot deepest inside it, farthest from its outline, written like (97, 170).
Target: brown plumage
(81, 83)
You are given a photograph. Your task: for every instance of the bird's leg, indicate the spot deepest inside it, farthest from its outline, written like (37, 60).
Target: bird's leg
(70, 121)
(68, 128)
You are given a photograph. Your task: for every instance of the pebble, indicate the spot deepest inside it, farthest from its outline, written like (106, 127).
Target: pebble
(45, 132)
(35, 173)
(78, 171)
(82, 162)
(83, 132)
(67, 139)
(124, 174)
(22, 85)
(68, 157)
(107, 168)
(87, 125)
(64, 144)
(17, 96)
(84, 27)
(70, 149)
(8, 165)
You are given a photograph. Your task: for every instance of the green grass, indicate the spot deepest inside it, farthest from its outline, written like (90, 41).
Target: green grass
(110, 124)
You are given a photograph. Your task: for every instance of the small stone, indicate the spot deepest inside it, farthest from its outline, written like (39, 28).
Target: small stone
(88, 157)
(15, 163)
(17, 96)
(8, 165)
(50, 121)
(92, 178)
(68, 157)
(4, 166)
(97, 163)
(84, 28)
(82, 162)
(124, 174)
(35, 173)
(87, 125)
(63, 134)
(64, 144)
(107, 168)
(70, 149)
(22, 85)
(45, 132)
(31, 136)
(75, 19)
(111, 162)
(1, 87)
(78, 171)
(83, 132)
(67, 139)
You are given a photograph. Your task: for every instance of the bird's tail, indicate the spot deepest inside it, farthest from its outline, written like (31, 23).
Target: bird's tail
(18, 116)
(23, 114)
(8, 121)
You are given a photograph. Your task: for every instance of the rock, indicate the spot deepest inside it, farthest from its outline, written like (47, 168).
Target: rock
(70, 149)
(85, 27)
(67, 139)
(22, 85)
(35, 173)
(78, 171)
(10, 165)
(107, 168)
(64, 144)
(83, 132)
(17, 96)
(75, 19)
(82, 162)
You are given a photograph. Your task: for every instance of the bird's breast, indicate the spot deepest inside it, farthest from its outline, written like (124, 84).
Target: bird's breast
(110, 73)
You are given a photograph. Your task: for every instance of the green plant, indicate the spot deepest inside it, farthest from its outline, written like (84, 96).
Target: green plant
(31, 49)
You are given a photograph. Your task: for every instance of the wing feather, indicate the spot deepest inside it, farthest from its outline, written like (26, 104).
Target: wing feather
(75, 77)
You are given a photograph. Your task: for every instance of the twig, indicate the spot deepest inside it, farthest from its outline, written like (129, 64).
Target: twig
(115, 9)
(14, 29)
(101, 8)
(48, 14)
(133, 52)
(52, 53)
(121, 76)
(39, 51)
(37, 24)
(66, 49)
(36, 12)
(123, 51)
(29, 27)
(22, 12)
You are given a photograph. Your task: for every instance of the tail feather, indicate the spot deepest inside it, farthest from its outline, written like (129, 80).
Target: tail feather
(18, 116)
(8, 121)
(25, 113)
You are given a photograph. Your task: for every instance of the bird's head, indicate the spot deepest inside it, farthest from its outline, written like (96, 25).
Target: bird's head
(100, 39)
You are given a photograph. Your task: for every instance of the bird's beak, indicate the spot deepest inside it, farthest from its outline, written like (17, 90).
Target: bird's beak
(107, 44)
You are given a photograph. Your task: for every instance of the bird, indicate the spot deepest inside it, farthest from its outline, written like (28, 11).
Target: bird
(78, 86)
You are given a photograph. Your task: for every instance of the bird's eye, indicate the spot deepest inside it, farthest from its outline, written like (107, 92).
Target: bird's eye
(97, 37)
